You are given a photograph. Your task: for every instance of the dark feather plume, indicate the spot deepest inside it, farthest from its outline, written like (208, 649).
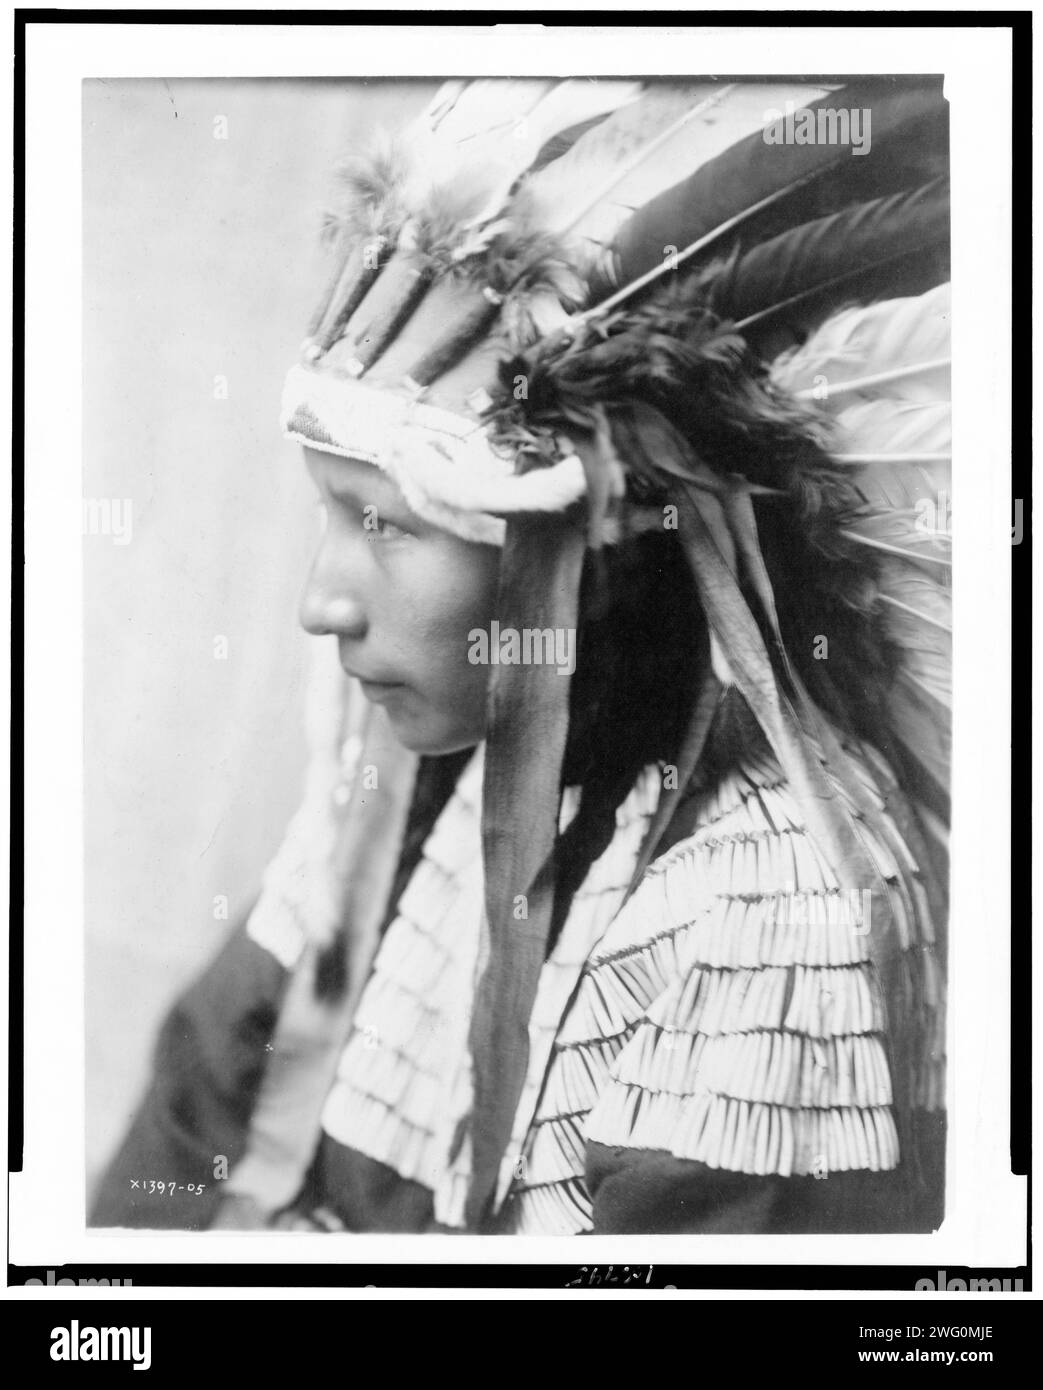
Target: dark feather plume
(830, 252)
(765, 188)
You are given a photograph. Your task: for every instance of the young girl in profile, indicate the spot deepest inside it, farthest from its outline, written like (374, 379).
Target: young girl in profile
(653, 944)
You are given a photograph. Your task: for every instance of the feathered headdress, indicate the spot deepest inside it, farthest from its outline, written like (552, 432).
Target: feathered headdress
(562, 311)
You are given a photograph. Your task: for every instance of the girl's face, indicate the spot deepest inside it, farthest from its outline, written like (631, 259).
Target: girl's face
(400, 596)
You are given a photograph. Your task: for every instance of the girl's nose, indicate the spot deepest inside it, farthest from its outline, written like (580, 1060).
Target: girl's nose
(327, 608)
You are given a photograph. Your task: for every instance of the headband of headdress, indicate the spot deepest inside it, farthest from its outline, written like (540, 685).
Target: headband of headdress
(518, 283)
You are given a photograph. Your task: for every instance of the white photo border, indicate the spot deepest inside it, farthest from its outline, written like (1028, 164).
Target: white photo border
(985, 1223)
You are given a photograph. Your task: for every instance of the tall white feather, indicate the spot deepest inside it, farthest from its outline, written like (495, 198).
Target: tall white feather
(489, 133)
(900, 418)
(860, 344)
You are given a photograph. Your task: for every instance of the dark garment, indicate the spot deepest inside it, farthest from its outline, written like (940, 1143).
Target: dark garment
(192, 1124)
(654, 1193)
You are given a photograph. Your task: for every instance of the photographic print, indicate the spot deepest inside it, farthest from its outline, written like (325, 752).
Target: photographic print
(615, 900)
(524, 757)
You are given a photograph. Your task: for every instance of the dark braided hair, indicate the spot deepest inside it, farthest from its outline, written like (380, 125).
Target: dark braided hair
(643, 639)
(642, 643)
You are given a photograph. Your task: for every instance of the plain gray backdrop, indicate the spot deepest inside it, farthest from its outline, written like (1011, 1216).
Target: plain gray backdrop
(202, 203)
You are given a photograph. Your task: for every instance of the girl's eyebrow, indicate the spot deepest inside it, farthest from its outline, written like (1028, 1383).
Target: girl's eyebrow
(342, 487)
(381, 492)
(363, 488)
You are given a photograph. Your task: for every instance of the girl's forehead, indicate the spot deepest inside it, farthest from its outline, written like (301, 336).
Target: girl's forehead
(350, 474)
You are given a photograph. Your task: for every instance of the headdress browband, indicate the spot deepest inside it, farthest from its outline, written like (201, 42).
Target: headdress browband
(446, 466)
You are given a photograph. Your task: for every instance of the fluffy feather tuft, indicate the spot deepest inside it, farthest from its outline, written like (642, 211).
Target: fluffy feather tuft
(367, 195)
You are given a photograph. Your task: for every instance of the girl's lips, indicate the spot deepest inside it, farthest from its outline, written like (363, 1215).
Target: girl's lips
(374, 690)
(369, 681)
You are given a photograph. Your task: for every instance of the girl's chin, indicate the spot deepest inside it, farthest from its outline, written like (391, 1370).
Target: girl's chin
(430, 736)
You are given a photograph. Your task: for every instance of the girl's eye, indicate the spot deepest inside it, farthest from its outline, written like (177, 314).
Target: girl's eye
(388, 531)
(373, 525)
